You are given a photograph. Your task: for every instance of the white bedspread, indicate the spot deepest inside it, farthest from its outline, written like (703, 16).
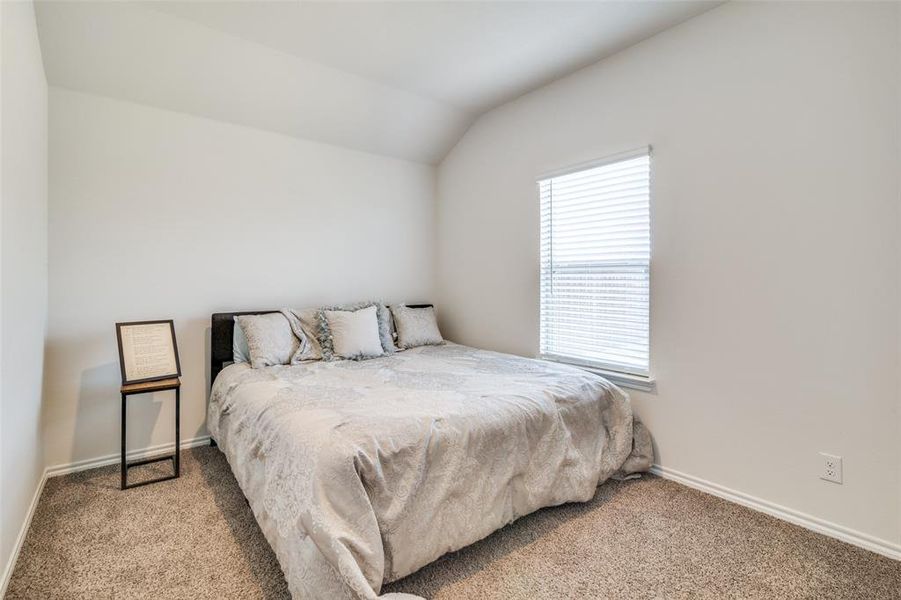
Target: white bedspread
(360, 473)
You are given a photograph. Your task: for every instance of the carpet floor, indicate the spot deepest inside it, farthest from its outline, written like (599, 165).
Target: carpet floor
(195, 537)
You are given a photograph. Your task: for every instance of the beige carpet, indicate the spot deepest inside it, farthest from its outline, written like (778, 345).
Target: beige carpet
(195, 537)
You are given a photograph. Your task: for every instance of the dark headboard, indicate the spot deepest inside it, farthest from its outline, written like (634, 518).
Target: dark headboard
(222, 330)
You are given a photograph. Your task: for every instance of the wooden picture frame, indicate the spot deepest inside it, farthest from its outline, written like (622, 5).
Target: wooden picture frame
(147, 351)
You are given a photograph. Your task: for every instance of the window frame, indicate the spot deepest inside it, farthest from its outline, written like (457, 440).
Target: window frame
(642, 382)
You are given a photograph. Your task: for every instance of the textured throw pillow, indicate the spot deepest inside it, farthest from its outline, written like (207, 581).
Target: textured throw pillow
(352, 334)
(385, 333)
(416, 326)
(269, 339)
(240, 351)
(306, 320)
(305, 331)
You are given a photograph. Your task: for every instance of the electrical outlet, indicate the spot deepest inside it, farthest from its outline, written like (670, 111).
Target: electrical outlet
(832, 468)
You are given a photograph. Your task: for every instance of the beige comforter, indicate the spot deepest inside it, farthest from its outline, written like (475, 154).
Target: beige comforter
(360, 473)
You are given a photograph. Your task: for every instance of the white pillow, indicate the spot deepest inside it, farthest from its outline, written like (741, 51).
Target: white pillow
(416, 326)
(354, 334)
(323, 345)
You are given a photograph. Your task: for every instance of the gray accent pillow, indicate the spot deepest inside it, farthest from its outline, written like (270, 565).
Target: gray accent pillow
(384, 318)
(240, 351)
(416, 326)
(354, 334)
(270, 339)
(385, 324)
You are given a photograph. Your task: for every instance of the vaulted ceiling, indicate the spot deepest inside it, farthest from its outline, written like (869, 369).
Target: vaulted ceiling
(403, 79)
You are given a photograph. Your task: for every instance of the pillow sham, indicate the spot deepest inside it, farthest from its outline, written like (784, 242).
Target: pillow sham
(416, 326)
(353, 334)
(240, 351)
(270, 339)
(384, 320)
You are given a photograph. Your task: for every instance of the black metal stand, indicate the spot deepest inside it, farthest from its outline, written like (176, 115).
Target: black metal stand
(145, 388)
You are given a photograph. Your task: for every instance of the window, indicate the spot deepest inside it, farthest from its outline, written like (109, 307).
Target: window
(595, 265)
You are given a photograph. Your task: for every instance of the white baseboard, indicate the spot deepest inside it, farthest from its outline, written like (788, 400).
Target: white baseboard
(74, 467)
(20, 539)
(839, 532)
(112, 459)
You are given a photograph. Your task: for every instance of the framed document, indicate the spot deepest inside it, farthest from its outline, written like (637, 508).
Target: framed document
(147, 351)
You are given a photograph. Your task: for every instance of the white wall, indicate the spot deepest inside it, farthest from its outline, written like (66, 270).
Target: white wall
(775, 217)
(23, 265)
(156, 214)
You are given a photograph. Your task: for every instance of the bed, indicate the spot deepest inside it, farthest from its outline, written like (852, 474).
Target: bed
(361, 472)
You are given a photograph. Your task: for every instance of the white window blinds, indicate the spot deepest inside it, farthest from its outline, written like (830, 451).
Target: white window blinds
(595, 264)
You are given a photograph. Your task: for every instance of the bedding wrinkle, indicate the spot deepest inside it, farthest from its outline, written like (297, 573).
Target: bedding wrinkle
(337, 518)
(362, 472)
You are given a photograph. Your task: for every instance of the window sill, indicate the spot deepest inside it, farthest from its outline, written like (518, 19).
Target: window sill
(634, 382)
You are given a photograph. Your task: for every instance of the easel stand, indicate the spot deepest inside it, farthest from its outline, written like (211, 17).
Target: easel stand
(146, 388)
